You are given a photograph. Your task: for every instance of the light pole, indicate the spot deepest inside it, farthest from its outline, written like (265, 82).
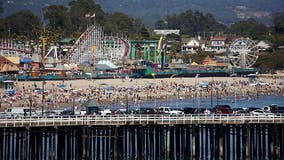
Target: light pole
(31, 102)
(217, 96)
(235, 93)
(178, 89)
(126, 98)
(42, 96)
(73, 102)
(154, 76)
(9, 30)
(211, 94)
(0, 99)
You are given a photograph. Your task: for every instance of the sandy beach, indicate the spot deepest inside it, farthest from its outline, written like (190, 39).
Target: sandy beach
(83, 84)
(112, 91)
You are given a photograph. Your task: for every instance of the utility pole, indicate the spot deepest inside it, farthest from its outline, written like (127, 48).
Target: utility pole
(211, 92)
(0, 99)
(42, 96)
(44, 43)
(73, 103)
(211, 95)
(31, 103)
(127, 106)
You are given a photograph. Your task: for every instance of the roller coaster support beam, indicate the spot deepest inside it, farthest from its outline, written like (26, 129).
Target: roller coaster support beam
(132, 52)
(144, 53)
(155, 53)
(149, 50)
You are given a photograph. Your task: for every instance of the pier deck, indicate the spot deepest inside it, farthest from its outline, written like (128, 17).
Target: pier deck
(139, 120)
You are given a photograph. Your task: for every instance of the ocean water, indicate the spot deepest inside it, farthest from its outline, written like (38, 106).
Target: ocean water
(255, 102)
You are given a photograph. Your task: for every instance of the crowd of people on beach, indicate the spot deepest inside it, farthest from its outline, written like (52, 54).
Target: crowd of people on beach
(62, 95)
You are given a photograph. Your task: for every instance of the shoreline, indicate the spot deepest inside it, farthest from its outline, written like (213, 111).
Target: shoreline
(111, 91)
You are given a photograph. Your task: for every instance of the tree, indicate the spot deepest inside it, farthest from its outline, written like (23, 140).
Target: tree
(1, 8)
(144, 33)
(173, 37)
(278, 22)
(191, 23)
(58, 18)
(269, 63)
(119, 23)
(22, 24)
(161, 24)
(250, 28)
(81, 12)
(174, 49)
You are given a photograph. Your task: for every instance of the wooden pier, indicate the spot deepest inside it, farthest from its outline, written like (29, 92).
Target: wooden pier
(117, 120)
(143, 137)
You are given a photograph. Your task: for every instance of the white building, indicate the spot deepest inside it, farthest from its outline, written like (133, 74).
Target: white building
(263, 45)
(191, 45)
(217, 45)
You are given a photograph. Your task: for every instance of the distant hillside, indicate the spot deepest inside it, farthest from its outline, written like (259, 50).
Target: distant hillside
(225, 11)
(12, 6)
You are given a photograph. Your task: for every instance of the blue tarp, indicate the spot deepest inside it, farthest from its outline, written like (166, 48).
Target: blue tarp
(11, 92)
(26, 60)
(62, 86)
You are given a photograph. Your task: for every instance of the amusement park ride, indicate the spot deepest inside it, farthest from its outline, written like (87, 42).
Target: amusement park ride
(106, 54)
(243, 53)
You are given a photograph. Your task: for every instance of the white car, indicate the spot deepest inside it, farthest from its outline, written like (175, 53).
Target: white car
(261, 112)
(105, 112)
(168, 110)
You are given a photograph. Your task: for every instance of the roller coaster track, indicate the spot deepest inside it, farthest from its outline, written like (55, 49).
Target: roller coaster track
(8, 48)
(93, 46)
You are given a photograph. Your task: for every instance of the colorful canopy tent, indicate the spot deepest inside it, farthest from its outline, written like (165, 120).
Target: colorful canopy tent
(9, 68)
(208, 61)
(15, 60)
(194, 63)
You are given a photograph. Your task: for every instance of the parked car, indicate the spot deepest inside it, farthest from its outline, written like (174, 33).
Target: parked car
(105, 112)
(202, 111)
(188, 110)
(19, 111)
(233, 75)
(261, 112)
(274, 108)
(240, 111)
(67, 112)
(148, 111)
(168, 110)
(222, 109)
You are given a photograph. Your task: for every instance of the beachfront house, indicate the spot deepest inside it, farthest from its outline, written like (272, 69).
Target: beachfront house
(191, 45)
(217, 45)
(263, 45)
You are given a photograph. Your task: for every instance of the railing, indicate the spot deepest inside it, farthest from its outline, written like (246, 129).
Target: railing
(138, 120)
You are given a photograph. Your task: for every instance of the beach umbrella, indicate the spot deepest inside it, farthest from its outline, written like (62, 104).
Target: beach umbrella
(11, 92)
(62, 86)
(109, 88)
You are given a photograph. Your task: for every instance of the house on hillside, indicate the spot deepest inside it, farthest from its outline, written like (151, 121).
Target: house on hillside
(217, 45)
(263, 45)
(192, 45)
